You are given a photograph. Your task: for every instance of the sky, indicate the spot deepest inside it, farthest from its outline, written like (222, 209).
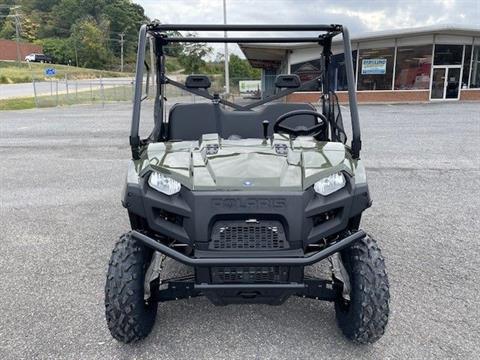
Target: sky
(360, 16)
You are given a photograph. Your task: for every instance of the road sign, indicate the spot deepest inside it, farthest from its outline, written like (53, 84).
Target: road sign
(50, 72)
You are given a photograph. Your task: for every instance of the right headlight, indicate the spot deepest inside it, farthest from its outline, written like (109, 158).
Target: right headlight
(164, 184)
(330, 184)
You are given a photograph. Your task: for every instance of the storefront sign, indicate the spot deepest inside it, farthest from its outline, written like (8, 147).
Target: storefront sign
(374, 66)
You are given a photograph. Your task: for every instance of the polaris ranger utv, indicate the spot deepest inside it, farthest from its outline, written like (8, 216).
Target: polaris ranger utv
(247, 196)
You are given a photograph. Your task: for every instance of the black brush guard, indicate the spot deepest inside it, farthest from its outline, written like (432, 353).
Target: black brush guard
(272, 293)
(248, 261)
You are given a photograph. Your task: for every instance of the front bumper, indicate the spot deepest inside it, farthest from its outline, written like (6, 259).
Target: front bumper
(274, 293)
(183, 227)
(272, 260)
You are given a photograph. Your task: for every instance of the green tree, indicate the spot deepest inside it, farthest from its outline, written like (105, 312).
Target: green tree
(8, 29)
(4, 12)
(192, 56)
(29, 28)
(62, 19)
(62, 51)
(68, 12)
(41, 5)
(174, 49)
(39, 12)
(125, 17)
(90, 43)
(240, 69)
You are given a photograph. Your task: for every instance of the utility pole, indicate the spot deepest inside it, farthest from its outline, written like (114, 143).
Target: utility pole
(17, 33)
(227, 75)
(121, 50)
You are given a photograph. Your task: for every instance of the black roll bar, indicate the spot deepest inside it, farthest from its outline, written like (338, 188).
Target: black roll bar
(352, 95)
(236, 40)
(137, 97)
(244, 27)
(157, 30)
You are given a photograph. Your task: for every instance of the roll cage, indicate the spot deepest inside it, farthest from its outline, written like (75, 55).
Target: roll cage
(161, 38)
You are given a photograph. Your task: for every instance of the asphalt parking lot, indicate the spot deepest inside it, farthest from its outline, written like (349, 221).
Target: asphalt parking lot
(62, 172)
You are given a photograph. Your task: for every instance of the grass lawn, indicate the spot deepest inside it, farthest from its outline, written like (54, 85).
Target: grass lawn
(11, 72)
(17, 104)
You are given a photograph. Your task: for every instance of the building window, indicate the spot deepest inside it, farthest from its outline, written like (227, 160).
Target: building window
(448, 55)
(475, 76)
(337, 72)
(337, 75)
(376, 69)
(306, 71)
(412, 70)
(466, 66)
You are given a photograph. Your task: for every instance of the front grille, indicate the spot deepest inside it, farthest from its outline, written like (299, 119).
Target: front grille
(264, 274)
(248, 235)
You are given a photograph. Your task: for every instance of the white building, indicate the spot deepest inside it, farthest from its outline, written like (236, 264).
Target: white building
(419, 64)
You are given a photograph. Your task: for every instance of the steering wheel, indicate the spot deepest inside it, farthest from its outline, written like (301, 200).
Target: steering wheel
(311, 131)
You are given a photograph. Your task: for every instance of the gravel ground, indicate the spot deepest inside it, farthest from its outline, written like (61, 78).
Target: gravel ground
(60, 184)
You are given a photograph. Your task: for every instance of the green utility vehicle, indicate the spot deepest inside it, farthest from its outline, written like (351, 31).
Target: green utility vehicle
(247, 195)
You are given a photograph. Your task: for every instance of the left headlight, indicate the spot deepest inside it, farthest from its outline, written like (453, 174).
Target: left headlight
(330, 184)
(163, 183)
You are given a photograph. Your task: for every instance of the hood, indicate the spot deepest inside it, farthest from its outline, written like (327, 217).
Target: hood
(248, 164)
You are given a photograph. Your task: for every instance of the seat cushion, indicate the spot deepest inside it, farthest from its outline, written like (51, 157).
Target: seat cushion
(191, 121)
(248, 124)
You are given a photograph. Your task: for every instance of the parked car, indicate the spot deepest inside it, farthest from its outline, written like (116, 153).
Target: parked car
(42, 58)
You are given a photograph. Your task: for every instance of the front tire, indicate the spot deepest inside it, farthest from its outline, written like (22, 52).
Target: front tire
(364, 318)
(129, 317)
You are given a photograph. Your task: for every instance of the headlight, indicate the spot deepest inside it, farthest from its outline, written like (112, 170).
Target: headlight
(163, 183)
(330, 184)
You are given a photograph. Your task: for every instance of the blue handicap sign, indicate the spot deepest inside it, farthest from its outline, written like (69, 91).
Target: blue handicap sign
(50, 71)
